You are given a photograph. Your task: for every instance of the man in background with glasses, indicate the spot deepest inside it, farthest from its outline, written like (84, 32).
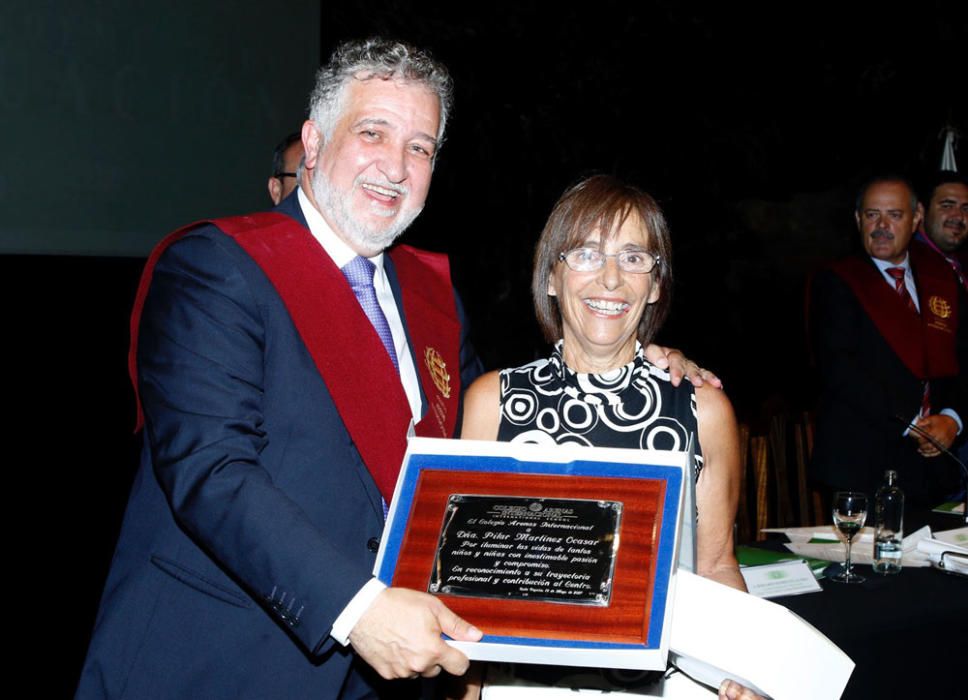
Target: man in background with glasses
(286, 160)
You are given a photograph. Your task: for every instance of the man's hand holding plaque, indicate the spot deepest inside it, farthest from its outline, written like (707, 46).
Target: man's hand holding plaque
(399, 635)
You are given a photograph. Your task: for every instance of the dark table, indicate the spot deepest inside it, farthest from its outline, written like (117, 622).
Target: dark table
(907, 633)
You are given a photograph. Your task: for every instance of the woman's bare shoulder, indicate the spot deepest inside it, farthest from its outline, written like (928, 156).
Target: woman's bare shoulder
(482, 408)
(713, 402)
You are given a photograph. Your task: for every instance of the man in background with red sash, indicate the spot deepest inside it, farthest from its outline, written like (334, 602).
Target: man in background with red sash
(889, 337)
(946, 221)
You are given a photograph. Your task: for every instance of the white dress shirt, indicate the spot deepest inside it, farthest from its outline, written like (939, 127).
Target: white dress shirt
(884, 265)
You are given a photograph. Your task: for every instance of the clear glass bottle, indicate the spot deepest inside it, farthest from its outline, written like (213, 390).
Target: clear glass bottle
(888, 525)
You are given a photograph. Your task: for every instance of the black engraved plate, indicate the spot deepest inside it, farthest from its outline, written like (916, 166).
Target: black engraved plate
(558, 550)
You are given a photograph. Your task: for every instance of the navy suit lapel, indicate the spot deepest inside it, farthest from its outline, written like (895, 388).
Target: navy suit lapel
(290, 207)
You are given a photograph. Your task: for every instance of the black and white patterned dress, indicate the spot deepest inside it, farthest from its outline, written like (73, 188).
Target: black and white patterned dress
(634, 406)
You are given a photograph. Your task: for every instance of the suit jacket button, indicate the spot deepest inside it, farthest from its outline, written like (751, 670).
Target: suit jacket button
(373, 544)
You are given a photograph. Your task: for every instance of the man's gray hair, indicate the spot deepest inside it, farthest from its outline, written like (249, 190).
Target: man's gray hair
(376, 58)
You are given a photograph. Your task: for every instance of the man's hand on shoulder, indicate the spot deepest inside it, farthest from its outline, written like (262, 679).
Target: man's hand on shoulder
(399, 635)
(680, 366)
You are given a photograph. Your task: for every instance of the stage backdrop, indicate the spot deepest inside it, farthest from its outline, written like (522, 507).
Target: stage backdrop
(125, 119)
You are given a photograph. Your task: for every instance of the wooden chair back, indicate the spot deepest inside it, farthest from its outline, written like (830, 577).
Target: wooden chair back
(743, 529)
(779, 426)
(759, 456)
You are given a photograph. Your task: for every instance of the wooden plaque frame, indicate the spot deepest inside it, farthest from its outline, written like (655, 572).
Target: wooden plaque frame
(631, 631)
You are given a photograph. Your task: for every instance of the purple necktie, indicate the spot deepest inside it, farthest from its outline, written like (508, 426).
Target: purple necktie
(359, 273)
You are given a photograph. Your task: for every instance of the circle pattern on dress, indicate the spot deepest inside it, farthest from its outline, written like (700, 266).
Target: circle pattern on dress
(633, 406)
(520, 407)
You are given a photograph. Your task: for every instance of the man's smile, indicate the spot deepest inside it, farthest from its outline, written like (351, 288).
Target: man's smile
(387, 193)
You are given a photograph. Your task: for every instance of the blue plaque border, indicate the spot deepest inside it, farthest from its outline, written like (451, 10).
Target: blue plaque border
(417, 460)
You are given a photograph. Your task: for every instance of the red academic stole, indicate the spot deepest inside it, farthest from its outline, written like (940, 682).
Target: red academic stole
(345, 347)
(924, 342)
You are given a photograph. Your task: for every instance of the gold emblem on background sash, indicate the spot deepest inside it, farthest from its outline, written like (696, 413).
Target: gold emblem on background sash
(438, 371)
(939, 307)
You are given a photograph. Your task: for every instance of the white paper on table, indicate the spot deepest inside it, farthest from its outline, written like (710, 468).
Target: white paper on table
(910, 555)
(948, 541)
(782, 578)
(958, 536)
(820, 532)
(719, 632)
(862, 552)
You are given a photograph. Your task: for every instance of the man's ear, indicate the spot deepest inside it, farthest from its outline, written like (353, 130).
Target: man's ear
(275, 190)
(312, 140)
(918, 216)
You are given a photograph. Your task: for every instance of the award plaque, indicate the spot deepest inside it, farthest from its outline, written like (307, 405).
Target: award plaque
(512, 547)
(562, 554)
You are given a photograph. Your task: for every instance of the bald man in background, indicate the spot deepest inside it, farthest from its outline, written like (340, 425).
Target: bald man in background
(888, 340)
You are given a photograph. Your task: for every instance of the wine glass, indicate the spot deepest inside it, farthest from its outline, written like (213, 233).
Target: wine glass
(850, 512)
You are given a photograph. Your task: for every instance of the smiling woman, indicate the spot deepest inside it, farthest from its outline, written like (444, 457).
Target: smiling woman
(601, 286)
(601, 296)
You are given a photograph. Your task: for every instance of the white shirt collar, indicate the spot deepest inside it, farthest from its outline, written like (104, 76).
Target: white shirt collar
(335, 247)
(883, 265)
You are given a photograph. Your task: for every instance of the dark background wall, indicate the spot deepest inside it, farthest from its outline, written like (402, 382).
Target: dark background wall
(125, 120)
(121, 121)
(132, 112)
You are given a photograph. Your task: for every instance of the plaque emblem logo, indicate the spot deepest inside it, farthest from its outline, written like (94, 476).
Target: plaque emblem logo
(939, 307)
(438, 371)
(534, 507)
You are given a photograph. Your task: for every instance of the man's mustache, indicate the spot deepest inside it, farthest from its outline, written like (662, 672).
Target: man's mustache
(882, 233)
(955, 223)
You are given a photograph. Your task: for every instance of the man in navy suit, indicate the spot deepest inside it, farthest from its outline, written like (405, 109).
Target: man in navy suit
(243, 566)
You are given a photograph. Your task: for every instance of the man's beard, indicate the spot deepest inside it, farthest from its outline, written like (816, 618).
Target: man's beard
(952, 235)
(336, 205)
